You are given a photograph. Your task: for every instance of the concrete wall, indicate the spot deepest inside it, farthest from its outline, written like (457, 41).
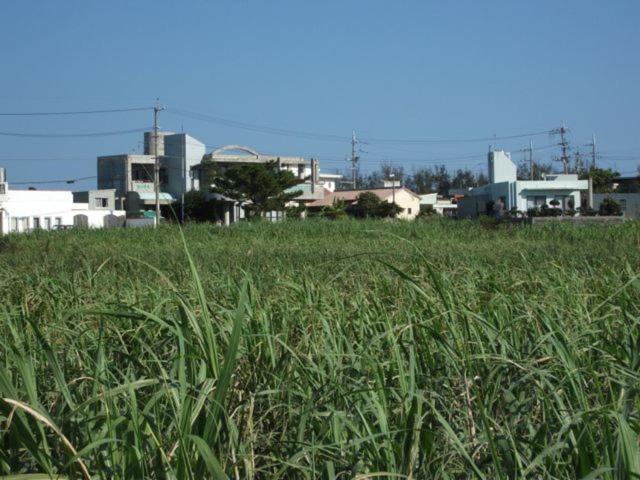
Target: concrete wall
(182, 152)
(97, 199)
(629, 202)
(501, 168)
(149, 143)
(112, 173)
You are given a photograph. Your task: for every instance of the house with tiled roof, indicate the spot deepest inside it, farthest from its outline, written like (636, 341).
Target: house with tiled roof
(408, 200)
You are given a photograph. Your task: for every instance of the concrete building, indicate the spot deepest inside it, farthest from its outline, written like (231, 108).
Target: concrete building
(230, 155)
(441, 206)
(226, 157)
(405, 198)
(505, 192)
(150, 144)
(97, 199)
(329, 181)
(181, 153)
(131, 176)
(27, 210)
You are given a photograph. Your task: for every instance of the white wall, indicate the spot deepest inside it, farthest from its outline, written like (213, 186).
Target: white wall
(410, 203)
(25, 210)
(501, 168)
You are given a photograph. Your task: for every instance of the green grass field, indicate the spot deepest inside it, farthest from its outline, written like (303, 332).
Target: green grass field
(315, 349)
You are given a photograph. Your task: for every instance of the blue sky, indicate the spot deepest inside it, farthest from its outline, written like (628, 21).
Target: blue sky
(388, 69)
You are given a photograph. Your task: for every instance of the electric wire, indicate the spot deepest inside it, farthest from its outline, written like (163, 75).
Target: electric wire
(73, 135)
(77, 112)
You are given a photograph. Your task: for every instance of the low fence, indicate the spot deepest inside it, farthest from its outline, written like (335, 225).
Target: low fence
(576, 220)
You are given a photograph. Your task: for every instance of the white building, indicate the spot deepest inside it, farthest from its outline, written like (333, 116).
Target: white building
(441, 206)
(329, 180)
(505, 192)
(27, 210)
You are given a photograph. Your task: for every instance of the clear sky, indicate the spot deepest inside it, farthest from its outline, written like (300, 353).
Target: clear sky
(388, 69)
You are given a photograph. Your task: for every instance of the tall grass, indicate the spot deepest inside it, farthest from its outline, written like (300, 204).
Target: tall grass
(321, 350)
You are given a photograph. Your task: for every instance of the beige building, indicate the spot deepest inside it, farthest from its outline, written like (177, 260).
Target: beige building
(404, 198)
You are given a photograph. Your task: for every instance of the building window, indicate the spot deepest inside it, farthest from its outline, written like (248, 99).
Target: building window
(409, 211)
(47, 223)
(58, 221)
(536, 201)
(101, 202)
(274, 216)
(36, 222)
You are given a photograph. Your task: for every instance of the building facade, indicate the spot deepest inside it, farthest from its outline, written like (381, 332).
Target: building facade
(28, 210)
(506, 193)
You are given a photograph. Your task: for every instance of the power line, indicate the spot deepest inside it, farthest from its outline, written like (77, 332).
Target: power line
(77, 112)
(44, 182)
(338, 138)
(258, 128)
(72, 135)
(450, 140)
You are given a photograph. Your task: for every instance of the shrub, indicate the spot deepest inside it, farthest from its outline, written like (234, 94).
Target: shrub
(609, 207)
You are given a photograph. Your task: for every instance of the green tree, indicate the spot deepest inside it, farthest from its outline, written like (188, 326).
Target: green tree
(263, 186)
(369, 205)
(464, 178)
(602, 179)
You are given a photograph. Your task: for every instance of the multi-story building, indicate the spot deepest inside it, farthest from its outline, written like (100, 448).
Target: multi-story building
(132, 175)
(306, 170)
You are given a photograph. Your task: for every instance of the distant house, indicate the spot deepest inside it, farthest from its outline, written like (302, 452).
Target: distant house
(505, 192)
(404, 198)
(440, 205)
(629, 184)
(329, 180)
(27, 210)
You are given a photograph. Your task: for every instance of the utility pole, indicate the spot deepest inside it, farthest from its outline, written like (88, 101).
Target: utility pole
(156, 165)
(393, 186)
(593, 151)
(530, 159)
(183, 167)
(354, 158)
(564, 145)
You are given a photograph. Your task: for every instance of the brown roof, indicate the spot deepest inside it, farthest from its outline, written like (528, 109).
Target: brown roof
(350, 196)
